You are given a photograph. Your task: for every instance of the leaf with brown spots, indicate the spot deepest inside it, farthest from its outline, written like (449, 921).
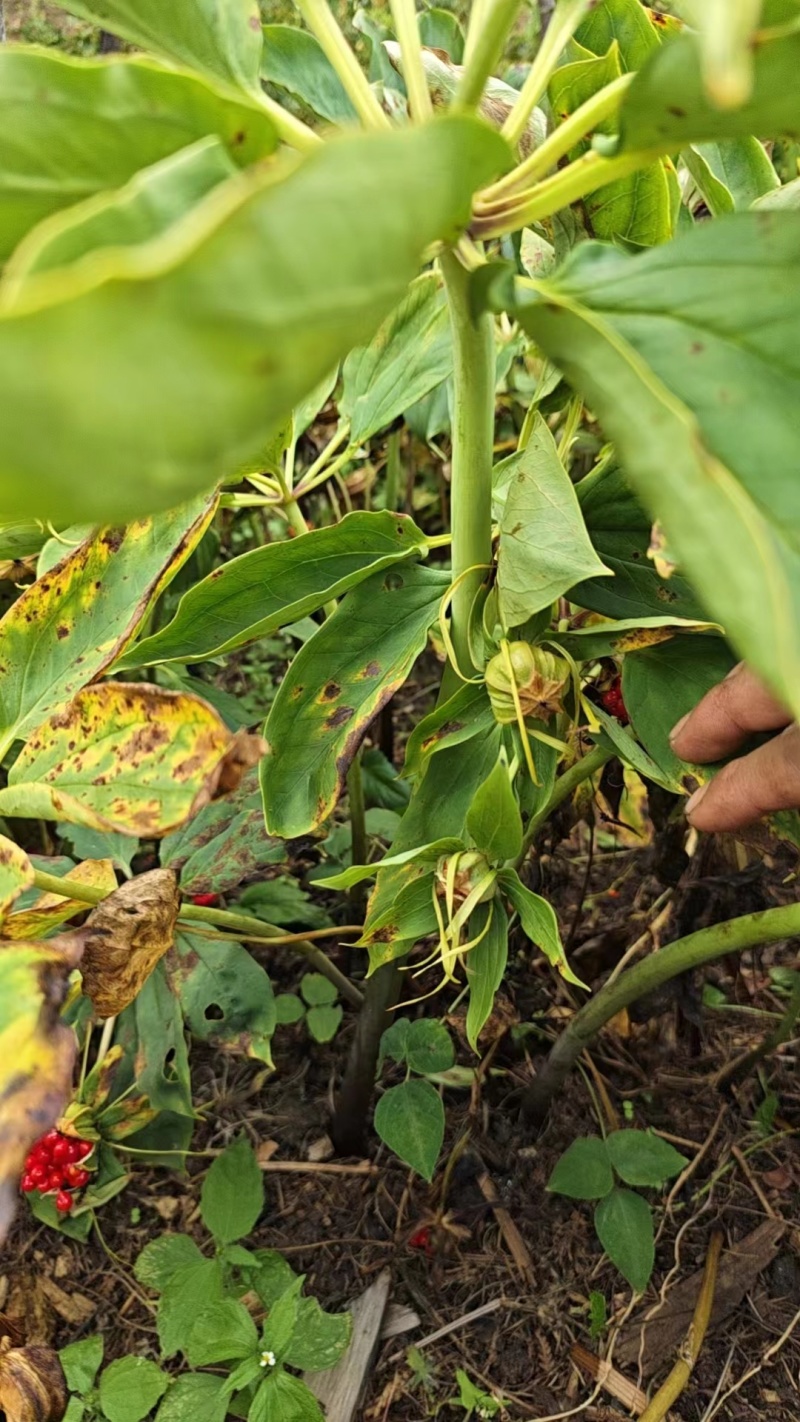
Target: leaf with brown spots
(125, 936)
(313, 735)
(129, 758)
(37, 1053)
(76, 619)
(50, 910)
(32, 1383)
(631, 634)
(224, 844)
(16, 872)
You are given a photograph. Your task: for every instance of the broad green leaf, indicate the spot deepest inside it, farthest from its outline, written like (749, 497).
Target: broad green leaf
(638, 208)
(284, 1398)
(324, 1022)
(281, 1322)
(621, 22)
(37, 1053)
(81, 1361)
(224, 844)
(232, 1197)
(584, 1171)
(296, 62)
(439, 29)
(662, 684)
(288, 1009)
(162, 1061)
(785, 198)
(494, 822)
(163, 1257)
(620, 530)
(626, 746)
(130, 1388)
(140, 327)
(485, 966)
(94, 844)
(410, 1120)
(383, 788)
(317, 990)
(624, 1227)
(194, 1397)
(72, 128)
(225, 995)
(429, 1047)
(148, 205)
(544, 546)
(406, 912)
(641, 1158)
(252, 596)
(187, 1292)
(731, 175)
(320, 1338)
(630, 634)
(410, 355)
(538, 921)
(281, 901)
(273, 1278)
(394, 1041)
(119, 757)
(68, 626)
(686, 356)
(222, 1332)
(16, 875)
(219, 37)
(465, 715)
(335, 686)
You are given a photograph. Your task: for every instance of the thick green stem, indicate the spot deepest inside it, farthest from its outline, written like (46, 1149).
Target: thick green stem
(565, 785)
(682, 956)
(484, 50)
(568, 15)
(321, 21)
(348, 1126)
(584, 176)
(473, 448)
(406, 26)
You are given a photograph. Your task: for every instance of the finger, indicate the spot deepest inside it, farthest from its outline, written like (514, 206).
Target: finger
(726, 716)
(766, 780)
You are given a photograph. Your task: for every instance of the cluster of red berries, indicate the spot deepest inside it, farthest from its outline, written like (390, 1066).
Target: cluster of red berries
(613, 701)
(54, 1163)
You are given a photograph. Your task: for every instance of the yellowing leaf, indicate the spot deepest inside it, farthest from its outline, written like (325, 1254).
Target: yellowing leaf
(16, 872)
(124, 938)
(52, 909)
(123, 757)
(32, 1383)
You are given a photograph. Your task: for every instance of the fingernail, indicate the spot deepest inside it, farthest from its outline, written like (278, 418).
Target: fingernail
(694, 800)
(678, 727)
(734, 671)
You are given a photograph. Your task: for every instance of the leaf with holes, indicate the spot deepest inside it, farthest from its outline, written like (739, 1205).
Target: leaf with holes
(226, 996)
(162, 1060)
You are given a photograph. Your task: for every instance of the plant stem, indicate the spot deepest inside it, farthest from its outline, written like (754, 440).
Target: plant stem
(538, 164)
(394, 470)
(490, 35)
(406, 26)
(221, 918)
(685, 954)
(582, 770)
(289, 129)
(322, 23)
(673, 1386)
(352, 1104)
(588, 173)
(568, 15)
(473, 440)
(358, 830)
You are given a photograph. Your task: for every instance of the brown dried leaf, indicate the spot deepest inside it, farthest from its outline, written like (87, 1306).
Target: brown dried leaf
(124, 938)
(244, 751)
(32, 1384)
(73, 1308)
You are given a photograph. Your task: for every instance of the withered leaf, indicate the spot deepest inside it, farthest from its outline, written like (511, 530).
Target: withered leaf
(32, 1383)
(125, 936)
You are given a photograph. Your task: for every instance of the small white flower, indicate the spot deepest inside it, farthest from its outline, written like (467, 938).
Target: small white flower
(267, 1359)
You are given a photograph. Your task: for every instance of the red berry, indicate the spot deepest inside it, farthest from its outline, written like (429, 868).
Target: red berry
(51, 1138)
(76, 1176)
(205, 900)
(421, 1239)
(40, 1155)
(74, 1149)
(26, 1184)
(38, 1174)
(54, 1180)
(63, 1202)
(84, 1148)
(62, 1151)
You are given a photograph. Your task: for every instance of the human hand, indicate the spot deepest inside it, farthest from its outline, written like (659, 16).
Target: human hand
(767, 779)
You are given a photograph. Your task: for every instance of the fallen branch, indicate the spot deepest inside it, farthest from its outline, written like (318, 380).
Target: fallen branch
(671, 1389)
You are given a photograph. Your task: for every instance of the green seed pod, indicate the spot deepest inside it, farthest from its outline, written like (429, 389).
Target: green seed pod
(540, 678)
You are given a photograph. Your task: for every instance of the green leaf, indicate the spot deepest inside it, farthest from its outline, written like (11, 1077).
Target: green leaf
(620, 530)
(662, 684)
(544, 546)
(76, 1409)
(224, 844)
(624, 1227)
(621, 22)
(162, 1061)
(383, 787)
(232, 1197)
(429, 1047)
(81, 1361)
(68, 626)
(688, 371)
(226, 996)
(219, 37)
(410, 355)
(163, 1257)
(283, 1398)
(281, 901)
(641, 1158)
(494, 822)
(731, 175)
(485, 966)
(73, 128)
(196, 408)
(319, 1339)
(439, 29)
(630, 634)
(252, 596)
(410, 1120)
(584, 1171)
(403, 912)
(95, 844)
(394, 1041)
(288, 1009)
(317, 990)
(538, 920)
(786, 198)
(335, 686)
(324, 1022)
(628, 749)
(281, 1323)
(130, 1388)
(221, 1333)
(187, 1291)
(194, 1397)
(296, 62)
(421, 855)
(465, 715)
(273, 1277)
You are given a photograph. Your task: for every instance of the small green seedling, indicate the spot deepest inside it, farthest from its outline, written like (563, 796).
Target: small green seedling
(474, 1402)
(409, 1118)
(317, 1004)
